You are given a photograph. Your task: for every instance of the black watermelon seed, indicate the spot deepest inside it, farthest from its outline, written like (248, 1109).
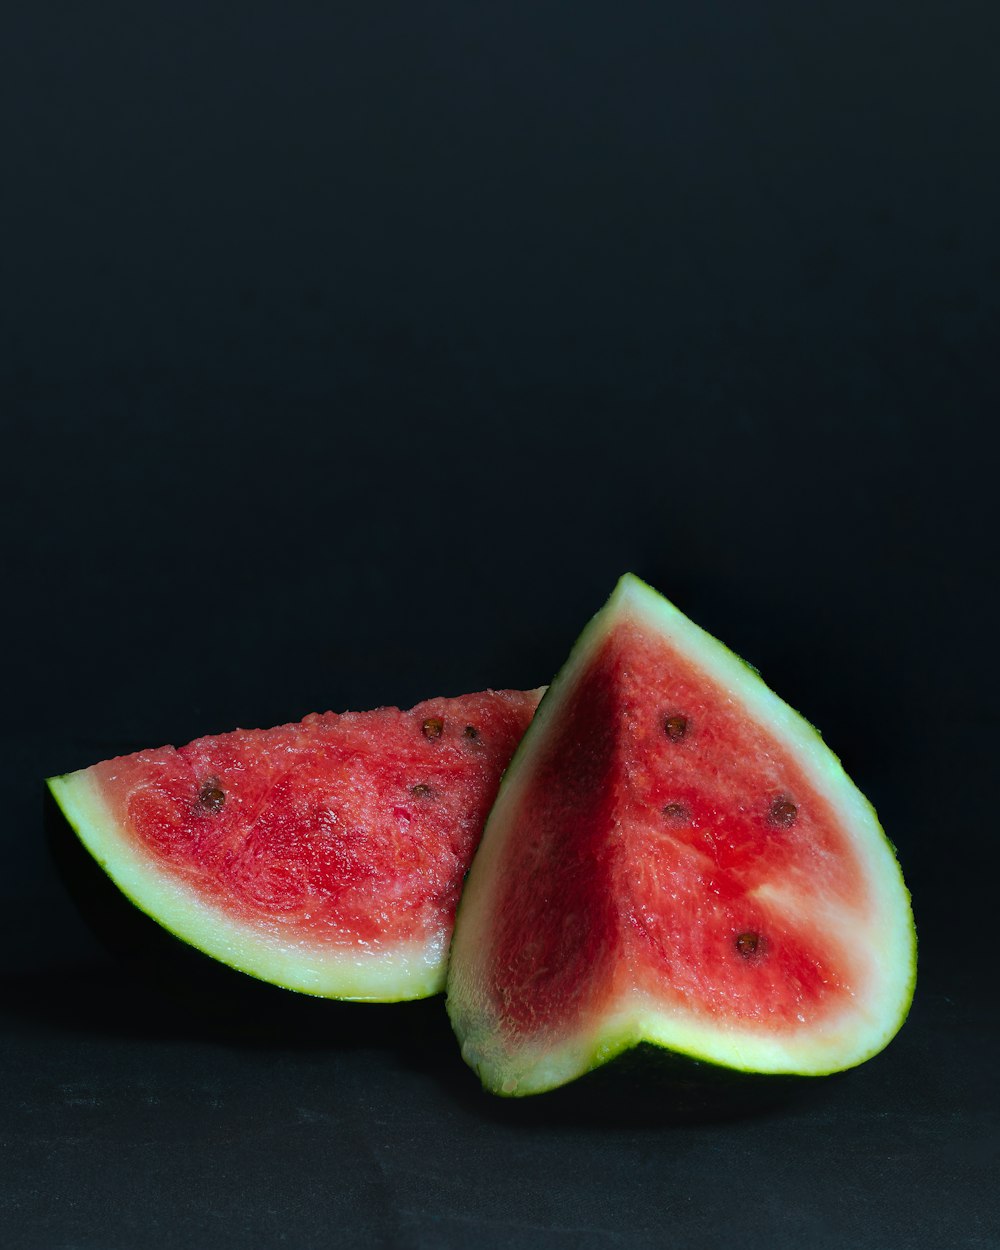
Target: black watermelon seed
(677, 811)
(676, 727)
(783, 812)
(470, 731)
(432, 727)
(748, 944)
(211, 798)
(421, 791)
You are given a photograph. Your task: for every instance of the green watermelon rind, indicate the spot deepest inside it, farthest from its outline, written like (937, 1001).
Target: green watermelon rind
(611, 1040)
(391, 974)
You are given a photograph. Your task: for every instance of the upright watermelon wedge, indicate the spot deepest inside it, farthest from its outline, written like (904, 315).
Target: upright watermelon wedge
(675, 859)
(324, 856)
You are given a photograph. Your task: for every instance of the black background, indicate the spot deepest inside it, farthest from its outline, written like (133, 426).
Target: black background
(348, 354)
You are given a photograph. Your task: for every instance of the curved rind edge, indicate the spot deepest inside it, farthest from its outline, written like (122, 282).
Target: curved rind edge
(632, 1032)
(390, 975)
(629, 582)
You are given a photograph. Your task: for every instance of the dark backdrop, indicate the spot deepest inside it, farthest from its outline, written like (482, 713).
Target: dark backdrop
(348, 354)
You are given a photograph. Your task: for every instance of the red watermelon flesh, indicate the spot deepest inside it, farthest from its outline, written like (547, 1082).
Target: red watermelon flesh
(326, 856)
(675, 857)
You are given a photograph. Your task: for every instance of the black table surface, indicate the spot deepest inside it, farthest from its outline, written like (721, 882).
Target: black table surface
(347, 356)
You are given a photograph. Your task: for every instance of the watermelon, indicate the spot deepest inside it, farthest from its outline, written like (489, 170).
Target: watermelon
(675, 864)
(325, 856)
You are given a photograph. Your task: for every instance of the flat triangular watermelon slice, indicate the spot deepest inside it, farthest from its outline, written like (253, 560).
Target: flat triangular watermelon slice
(675, 858)
(324, 856)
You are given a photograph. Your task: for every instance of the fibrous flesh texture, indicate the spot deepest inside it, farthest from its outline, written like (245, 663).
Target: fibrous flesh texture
(326, 855)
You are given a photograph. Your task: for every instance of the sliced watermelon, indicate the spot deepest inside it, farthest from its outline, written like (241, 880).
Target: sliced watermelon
(675, 858)
(325, 856)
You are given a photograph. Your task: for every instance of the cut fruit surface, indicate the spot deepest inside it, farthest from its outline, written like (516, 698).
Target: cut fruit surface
(324, 856)
(675, 857)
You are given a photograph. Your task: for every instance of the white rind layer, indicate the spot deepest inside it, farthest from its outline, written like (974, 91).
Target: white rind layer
(359, 973)
(880, 935)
